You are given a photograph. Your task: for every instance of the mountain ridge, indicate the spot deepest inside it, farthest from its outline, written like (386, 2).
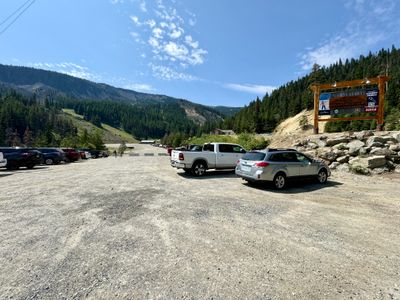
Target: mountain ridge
(50, 84)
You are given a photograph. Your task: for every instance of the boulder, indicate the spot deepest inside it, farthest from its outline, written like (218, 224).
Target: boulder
(390, 165)
(362, 151)
(375, 139)
(376, 145)
(343, 168)
(312, 145)
(395, 147)
(397, 136)
(376, 161)
(327, 154)
(334, 141)
(354, 147)
(334, 165)
(320, 143)
(341, 146)
(389, 138)
(382, 151)
(343, 159)
(338, 152)
(363, 135)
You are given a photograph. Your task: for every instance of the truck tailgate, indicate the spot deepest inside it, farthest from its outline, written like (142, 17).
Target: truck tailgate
(175, 155)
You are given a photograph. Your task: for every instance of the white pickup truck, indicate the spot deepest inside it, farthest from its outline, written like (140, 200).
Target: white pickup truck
(3, 161)
(211, 156)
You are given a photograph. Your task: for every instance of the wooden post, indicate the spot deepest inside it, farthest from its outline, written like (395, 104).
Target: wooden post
(316, 90)
(381, 106)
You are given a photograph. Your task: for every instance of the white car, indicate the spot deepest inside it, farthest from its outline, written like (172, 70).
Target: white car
(211, 156)
(3, 161)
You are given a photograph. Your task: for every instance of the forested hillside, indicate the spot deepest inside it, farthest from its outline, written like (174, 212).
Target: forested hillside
(52, 85)
(28, 122)
(263, 115)
(151, 121)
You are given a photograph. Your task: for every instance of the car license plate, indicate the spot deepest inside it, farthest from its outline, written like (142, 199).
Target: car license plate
(246, 168)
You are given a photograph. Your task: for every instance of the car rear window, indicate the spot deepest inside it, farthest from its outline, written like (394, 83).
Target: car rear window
(254, 156)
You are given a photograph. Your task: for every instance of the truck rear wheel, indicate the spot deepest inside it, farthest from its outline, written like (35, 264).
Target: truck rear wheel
(199, 169)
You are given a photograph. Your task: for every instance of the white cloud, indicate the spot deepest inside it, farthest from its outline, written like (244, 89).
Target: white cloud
(141, 87)
(135, 20)
(167, 73)
(158, 33)
(117, 1)
(373, 22)
(189, 41)
(143, 6)
(68, 68)
(151, 23)
(176, 33)
(167, 41)
(260, 90)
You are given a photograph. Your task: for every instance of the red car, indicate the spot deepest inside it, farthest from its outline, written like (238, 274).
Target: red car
(71, 154)
(169, 150)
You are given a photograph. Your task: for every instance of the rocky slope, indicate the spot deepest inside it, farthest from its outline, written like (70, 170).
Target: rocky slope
(364, 152)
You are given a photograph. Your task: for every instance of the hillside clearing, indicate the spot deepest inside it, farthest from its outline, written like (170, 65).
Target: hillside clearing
(110, 134)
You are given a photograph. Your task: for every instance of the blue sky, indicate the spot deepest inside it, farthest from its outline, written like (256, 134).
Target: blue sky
(214, 52)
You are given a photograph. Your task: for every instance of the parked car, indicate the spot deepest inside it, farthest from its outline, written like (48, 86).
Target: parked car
(211, 156)
(52, 156)
(21, 157)
(169, 150)
(3, 161)
(85, 154)
(279, 166)
(71, 154)
(98, 153)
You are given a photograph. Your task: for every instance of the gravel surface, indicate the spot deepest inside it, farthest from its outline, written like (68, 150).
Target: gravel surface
(135, 228)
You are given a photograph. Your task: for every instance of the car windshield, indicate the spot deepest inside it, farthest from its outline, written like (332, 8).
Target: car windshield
(254, 156)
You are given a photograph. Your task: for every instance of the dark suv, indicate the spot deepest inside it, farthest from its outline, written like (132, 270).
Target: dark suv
(52, 156)
(21, 157)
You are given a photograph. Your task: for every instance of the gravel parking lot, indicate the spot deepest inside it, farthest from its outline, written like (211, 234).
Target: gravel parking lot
(135, 228)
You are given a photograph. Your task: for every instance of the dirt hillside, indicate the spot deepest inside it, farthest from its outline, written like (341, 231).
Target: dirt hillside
(290, 130)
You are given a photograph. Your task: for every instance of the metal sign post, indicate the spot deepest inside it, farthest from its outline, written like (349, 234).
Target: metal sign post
(359, 100)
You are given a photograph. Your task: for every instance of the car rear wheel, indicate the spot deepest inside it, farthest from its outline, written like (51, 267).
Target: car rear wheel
(322, 176)
(280, 181)
(49, 161)
(199, 169)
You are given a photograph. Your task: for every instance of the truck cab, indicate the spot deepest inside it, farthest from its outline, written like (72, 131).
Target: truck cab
(211, 156)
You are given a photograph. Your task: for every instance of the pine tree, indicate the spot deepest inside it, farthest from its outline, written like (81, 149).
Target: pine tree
(28, 137)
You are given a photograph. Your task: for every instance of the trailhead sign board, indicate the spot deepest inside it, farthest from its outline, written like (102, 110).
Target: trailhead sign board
(364, 99)
(348, 102)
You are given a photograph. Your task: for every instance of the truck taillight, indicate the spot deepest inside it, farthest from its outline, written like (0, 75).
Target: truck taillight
(262, 164)
(181, 157)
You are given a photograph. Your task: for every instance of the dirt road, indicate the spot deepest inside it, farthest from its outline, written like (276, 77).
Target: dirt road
(135, 228)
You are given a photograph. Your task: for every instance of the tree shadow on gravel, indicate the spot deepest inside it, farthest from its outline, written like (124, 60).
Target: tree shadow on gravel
(4, 174)
(26, 170)
(294, 187)
(210, 175)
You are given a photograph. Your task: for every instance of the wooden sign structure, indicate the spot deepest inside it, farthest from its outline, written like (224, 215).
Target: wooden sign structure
(354, 98)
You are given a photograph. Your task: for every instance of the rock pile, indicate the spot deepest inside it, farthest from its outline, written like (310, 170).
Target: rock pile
(362, 152)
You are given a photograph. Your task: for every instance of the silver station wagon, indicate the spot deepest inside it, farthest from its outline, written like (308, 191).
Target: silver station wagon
(280, 165)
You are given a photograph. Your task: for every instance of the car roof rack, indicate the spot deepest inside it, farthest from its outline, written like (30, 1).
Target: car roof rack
(281, 149)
